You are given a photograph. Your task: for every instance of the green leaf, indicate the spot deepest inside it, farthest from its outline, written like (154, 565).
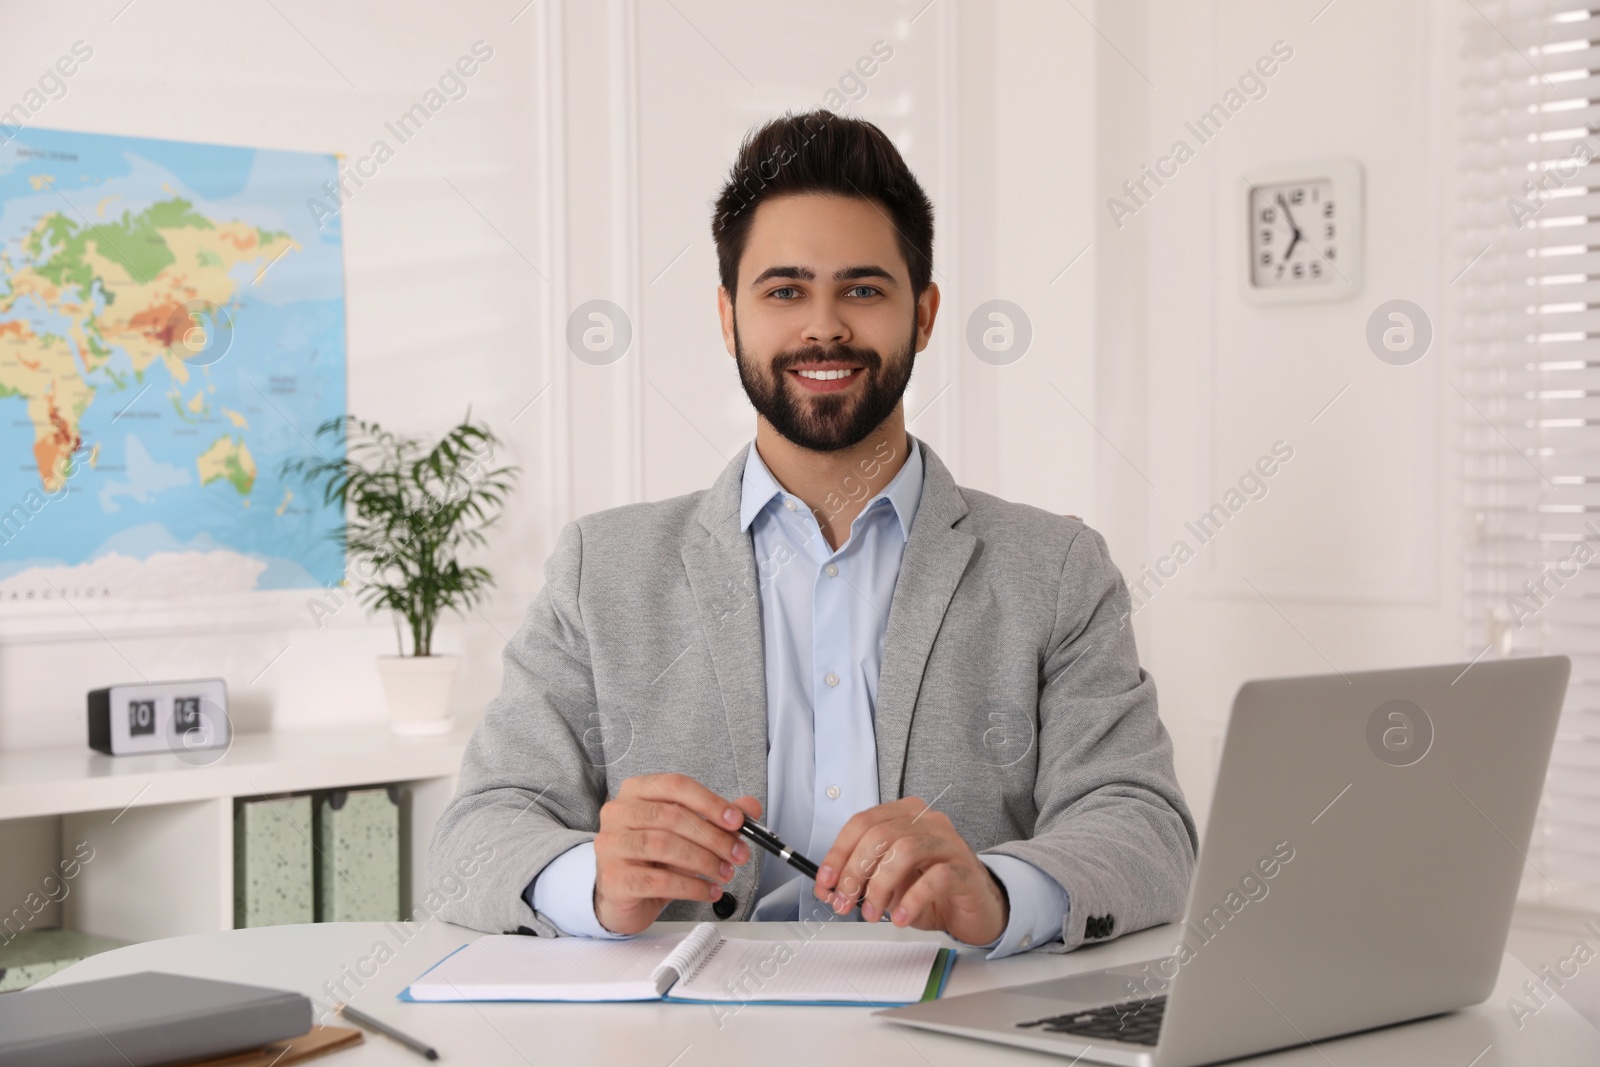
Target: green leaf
(410, 506)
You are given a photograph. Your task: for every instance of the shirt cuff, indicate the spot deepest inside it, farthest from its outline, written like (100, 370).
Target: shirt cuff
(1038, 906)
(564, 893)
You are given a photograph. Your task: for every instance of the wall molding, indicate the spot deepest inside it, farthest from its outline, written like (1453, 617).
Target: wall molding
(622, 49)
(950, 413)
(551, 134)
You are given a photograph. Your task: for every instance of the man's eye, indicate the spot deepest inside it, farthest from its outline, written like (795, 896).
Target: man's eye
(784, 289)
(871, 290)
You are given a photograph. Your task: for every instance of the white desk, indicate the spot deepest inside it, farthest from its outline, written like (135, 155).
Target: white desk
(683, 1035)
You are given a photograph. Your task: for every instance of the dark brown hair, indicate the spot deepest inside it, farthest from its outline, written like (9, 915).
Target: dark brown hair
(820, 152)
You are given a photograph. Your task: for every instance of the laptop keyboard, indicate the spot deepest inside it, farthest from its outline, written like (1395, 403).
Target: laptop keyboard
(1137, 1022)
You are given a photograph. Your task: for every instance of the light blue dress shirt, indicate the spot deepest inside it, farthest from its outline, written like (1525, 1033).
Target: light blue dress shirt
(824, 621)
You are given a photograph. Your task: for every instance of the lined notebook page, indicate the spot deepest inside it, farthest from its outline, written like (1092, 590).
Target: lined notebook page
(866, 972)
(518, 967)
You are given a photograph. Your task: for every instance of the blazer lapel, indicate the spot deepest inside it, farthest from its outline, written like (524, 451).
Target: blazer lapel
(721, 564)
(935, 558)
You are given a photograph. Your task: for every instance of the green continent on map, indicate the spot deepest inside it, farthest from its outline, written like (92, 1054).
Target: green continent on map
(228, 458)
(147, 269)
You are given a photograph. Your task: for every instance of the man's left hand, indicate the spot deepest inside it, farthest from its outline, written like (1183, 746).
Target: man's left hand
(905, 860)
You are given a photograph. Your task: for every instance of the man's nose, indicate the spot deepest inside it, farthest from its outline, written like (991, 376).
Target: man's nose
(825, 326)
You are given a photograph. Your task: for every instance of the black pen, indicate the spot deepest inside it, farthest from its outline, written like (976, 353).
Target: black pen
(769, 841)
(362, 1019)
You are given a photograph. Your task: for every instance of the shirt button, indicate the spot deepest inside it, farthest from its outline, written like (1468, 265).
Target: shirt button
(833, 792)
(833, 570)
(831, 679)
(1026, 942)
(789, 503)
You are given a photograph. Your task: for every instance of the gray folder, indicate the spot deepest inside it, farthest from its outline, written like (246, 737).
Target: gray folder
(142, 1020)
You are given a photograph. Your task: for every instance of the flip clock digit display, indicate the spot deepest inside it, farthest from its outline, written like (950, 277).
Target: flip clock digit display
(160, 717)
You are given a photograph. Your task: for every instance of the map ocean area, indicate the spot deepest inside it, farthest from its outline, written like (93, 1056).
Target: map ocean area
(171, 330)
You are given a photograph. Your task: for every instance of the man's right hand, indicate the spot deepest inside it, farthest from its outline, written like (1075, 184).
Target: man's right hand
(665, 837)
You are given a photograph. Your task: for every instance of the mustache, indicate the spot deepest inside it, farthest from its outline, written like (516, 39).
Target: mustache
(864, 357)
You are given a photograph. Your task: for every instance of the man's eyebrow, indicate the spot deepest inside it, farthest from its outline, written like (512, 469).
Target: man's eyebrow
(805, 274)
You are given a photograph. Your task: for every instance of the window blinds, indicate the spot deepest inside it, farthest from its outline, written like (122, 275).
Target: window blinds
(1528, 332)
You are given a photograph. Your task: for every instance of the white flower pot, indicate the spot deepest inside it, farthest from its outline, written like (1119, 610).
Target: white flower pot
(417, 689)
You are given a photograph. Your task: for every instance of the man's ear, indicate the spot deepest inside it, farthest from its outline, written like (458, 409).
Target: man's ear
(927, 311)
(725, 315)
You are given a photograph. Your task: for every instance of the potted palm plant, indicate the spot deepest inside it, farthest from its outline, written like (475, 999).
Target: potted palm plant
(410, 509)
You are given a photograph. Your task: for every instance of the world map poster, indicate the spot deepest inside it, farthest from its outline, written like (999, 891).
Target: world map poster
(172, 328)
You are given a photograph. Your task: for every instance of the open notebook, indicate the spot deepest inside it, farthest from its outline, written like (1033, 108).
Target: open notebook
(698, 967)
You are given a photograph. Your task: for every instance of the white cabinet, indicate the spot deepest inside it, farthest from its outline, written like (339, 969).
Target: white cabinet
(146, 842)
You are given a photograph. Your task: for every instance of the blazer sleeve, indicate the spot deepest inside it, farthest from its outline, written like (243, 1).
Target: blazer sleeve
(528, 790)
(1113, 829)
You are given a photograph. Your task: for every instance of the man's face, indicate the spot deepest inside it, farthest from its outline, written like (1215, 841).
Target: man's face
(824, 329)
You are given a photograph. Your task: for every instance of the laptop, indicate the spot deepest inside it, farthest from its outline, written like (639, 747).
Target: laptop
(1366, 841)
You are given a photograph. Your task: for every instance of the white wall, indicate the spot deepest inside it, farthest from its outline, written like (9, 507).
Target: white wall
(581, 165)
(442, 311)
(1349, 553)
(592, 146)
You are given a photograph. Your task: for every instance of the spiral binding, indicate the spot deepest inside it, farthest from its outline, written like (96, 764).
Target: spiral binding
(706, 958)
(689, 958)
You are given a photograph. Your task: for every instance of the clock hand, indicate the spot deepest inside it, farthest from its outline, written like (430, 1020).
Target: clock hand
(1292, 224)
(1296, 229)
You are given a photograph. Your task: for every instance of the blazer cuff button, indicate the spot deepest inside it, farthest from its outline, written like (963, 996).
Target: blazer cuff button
(725, 906)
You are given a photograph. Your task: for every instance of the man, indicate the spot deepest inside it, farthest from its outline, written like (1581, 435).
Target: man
(927, 689)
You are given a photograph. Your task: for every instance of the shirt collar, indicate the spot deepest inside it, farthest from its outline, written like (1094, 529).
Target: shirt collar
(904, 491)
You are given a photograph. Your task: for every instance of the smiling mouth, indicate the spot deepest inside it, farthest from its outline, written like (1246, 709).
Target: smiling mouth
(827, 375)
(826, 379)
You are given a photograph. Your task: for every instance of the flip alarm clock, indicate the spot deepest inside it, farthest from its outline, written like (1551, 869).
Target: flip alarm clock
(160, 717)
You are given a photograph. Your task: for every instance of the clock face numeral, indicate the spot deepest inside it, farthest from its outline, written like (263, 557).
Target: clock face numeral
(141, 717)
(1293, 234)
(185, 714)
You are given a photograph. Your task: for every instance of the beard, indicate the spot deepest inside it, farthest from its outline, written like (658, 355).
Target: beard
(826, 422)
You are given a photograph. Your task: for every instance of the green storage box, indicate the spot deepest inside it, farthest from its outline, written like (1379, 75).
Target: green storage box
(34, 955)
(358, 855)
(272, 861)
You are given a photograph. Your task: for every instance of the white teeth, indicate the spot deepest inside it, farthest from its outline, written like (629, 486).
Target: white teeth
(825, 375)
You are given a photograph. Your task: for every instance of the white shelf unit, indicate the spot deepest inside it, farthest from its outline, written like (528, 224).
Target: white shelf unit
(162, 828)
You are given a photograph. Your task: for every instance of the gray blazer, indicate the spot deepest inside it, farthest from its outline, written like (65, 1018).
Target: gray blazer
(1010, 696)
